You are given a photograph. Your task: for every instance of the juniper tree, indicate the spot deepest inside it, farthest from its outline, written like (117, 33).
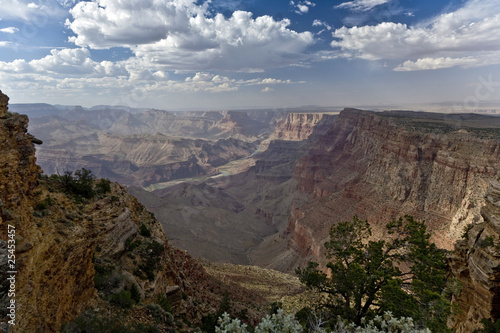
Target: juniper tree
(405, 274)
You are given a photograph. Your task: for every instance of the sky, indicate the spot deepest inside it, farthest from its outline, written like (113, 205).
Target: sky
(226, 54)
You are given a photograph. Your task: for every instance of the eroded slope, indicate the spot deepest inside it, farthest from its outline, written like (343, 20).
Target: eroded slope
(74, 252)
(384, 165)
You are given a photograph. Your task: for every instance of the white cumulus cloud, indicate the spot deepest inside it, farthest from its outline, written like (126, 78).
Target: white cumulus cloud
(108, 23)
(65, 61)
(325, 26)
(237, 43)
(434, 63)
(177, 46)
(274, 81)
(361, 5)
(180, 35)
(466, 37)
(15, 9)
(36, 13)
(447, 62)
(301, 7)
(9, 30)
(319, 23)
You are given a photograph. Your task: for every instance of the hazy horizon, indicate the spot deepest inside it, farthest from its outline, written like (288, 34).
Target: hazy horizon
(442, 107)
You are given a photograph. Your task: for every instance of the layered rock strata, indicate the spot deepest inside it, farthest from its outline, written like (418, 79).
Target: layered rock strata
(475, 263)
(300, 126)
(140, 160)
(384, 165)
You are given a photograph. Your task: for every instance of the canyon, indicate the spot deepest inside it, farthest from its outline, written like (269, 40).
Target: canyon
(379, 166)
(76, 259)
(256, 188)
(140, 148)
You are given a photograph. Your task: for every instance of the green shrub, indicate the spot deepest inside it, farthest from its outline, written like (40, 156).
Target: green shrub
(149, 267)
(225, 303)
(144, 231)
(89, 322)
(102, 276)
(154, 250)
(209, 321)
(466, 230)
(139, 273)
(132, 245)
(83, 184)
(489, 326)
(135, 294)
(41, 206)
(278, 322)
(160, 315)
(488, 241)
(122, 299)
(304, 317)
(163, 301)
(275, 306)
(103, 186)
(44, 204)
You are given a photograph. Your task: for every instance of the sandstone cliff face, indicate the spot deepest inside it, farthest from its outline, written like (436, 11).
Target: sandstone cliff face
(53, 259)
(475, 263)
(19, 172)
(19, 177)
(381, 166)
(299, 126)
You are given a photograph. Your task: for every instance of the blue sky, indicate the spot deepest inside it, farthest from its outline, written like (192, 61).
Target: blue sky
(222, 54)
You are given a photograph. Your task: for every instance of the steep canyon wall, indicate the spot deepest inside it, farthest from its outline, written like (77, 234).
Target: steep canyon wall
(475, 263)
(300, 126)
(383, 165)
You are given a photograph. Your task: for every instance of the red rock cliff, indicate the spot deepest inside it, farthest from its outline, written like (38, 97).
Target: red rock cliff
(299, 126)
(475, 263)
(384, 165)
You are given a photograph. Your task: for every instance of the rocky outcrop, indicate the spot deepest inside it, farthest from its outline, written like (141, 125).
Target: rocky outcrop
(300, 126)
(384, 165)
(236, 122)
(4, 101)
(475, 263)
(19, 172)
(52, 281)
